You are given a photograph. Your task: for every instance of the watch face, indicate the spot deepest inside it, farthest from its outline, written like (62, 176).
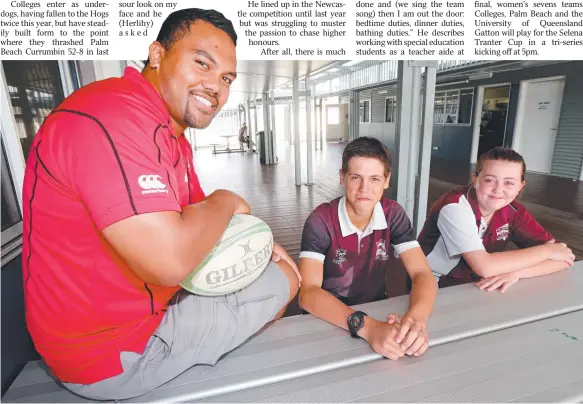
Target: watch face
(356, 321)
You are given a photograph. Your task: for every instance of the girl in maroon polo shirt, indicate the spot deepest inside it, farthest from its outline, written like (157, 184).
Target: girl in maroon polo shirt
(468, 229)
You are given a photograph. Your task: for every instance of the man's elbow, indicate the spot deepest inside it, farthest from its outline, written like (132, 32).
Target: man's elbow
(171, 279)
(168, 273)
(179, 265)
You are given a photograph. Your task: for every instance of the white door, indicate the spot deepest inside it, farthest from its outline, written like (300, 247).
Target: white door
(333, 123)
(537, 123)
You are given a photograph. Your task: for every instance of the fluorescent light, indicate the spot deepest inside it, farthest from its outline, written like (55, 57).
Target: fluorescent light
(333, 70)
(480, 76)
(383, 91)
(352, 62)
(452, 82)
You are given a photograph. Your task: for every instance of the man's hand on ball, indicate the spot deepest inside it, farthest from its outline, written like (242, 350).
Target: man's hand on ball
(279, 253)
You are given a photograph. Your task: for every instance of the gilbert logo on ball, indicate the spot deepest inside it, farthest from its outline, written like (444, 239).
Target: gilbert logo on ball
(239, 258)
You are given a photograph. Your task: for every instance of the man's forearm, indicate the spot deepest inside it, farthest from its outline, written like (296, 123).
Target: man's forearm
(202, 225)
(544, 268)
(423, 292)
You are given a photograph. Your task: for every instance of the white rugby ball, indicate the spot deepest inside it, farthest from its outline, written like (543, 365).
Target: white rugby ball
(239, 258)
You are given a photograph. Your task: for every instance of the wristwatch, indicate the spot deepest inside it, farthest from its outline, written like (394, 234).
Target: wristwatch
(355, 323)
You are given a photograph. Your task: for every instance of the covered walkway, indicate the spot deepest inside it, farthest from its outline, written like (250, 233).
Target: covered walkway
(273, 196)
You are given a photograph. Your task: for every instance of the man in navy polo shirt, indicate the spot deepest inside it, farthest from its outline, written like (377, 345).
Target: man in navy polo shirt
(345, 250)
(468, 229)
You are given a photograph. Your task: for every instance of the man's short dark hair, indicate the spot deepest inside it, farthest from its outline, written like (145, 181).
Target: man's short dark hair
(367, 147)
(500, 153)
(177, 24)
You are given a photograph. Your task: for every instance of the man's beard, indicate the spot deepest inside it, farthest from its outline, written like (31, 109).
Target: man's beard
(191, 120)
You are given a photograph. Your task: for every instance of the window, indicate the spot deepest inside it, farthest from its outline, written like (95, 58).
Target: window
(390, 109)
(453, 107)
(364, 111)
(332, 115)
(439, 108)
(465, 106)
(35, 89)
(11, 217)
(451, 101)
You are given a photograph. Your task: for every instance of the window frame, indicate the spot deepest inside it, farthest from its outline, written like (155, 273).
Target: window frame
(361, 102)
(459, 92)
(394, 98)
(11, 233)
(11, 237)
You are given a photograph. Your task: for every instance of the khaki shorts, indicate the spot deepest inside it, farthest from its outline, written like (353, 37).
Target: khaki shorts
(195, 330)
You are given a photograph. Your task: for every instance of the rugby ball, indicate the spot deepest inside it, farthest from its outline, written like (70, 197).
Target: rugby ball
(239, 258)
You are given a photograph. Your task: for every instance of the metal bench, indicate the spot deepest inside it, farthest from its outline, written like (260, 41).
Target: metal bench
(534, 362)
(301, 346)
(228, 148)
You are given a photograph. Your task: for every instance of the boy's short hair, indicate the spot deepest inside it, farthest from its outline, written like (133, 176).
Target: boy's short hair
(367, 147)
(501, 153)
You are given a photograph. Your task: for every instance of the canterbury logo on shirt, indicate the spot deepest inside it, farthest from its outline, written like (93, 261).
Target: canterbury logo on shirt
(152, 184)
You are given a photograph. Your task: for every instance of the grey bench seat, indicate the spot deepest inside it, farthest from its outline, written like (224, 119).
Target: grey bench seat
(299, 346)
(534, 362)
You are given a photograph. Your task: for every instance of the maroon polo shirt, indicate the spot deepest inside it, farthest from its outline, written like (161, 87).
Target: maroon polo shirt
(455, 226)
(355, 262)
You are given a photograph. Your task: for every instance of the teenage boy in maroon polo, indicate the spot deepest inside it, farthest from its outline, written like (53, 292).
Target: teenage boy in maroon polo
(468, 229)
(115, 219)
(345, 249)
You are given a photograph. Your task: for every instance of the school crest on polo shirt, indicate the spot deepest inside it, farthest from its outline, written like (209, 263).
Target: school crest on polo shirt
(340, 257)
(381, 254)
(502, 232)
